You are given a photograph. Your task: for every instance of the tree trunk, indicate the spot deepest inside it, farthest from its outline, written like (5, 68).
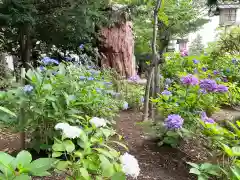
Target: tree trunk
(154, 60)
(25, 46)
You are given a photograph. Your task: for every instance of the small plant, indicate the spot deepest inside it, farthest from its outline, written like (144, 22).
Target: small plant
(22, 167)
(204, 171)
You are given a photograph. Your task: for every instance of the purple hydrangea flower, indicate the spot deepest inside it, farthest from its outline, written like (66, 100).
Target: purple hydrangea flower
(195, 61)
(189, 80)
(173, 121)
(208, 85)
(204, 69)
(215, 72)
(225, 79)
(209, 76)
(206, 119)
(27, 88)
(125, 106)
(221, 88)
(166, 92)
(82, 77)
(134, 78)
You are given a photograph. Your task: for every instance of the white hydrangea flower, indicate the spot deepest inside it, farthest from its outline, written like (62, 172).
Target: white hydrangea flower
(71, 132)
(98, 122)
(61, 126)
(130, 165)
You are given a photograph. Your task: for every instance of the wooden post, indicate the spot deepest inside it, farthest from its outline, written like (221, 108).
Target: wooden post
(21, 118)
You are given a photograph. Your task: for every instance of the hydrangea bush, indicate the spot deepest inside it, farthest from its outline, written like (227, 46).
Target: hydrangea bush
(57, 92)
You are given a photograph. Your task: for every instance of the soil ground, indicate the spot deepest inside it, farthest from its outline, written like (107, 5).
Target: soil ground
(156, 163)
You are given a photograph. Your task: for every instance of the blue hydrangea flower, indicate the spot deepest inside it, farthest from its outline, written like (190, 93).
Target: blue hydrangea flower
(82, 77)
(98, 90)
(125, 105)
(168, 81)
(202, 91)
(225, 79)
(27, 88)
(68, 58)
(195, 61)
(81, 46)
(227, 70)
(173, 122)
(195, 71)
(142, 99)
(234, 61)
(204, 69)
(90, 78)
(48, 61)
(41, 68)
(166, 92)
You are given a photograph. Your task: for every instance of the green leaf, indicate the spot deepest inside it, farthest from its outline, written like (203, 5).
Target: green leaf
(62, 165)
(84, 173)
(40, 165)
(120, 144)
(58, 146)
(7, 111)
(236, 150)
(195, 171)
(69, 146)
(23, 159)
(23, 177)
(56, 154)
(236, 172)
(106, 166)
(227, 149)
(47, 87)
(202, 178)
(104, 152)
(118, 176)
(6, 163)
(193, 165)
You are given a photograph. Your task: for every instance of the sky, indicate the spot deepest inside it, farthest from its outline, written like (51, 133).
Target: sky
(208, 31)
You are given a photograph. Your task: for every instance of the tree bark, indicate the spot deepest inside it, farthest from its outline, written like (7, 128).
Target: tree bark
(154, 60)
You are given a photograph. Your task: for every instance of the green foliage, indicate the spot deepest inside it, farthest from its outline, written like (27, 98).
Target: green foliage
(60, 93)
(204, 171)
(90, 156)
(227, 43)
(22, 167)
(225, 141)
(46, 21)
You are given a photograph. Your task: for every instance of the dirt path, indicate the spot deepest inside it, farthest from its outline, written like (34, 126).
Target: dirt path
(156, 163)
